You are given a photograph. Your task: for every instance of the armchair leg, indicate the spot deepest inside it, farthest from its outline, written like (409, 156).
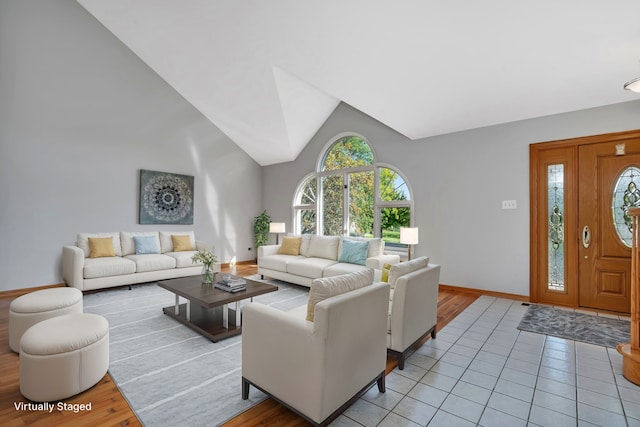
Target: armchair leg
(245, 389)
(381, 384)
(433, 333)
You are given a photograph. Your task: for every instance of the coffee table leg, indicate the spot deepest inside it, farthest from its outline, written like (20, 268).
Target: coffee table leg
(176, 310)
(237, 313)
(225, 316)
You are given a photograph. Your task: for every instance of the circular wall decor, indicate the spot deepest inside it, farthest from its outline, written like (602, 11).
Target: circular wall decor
(165, 198)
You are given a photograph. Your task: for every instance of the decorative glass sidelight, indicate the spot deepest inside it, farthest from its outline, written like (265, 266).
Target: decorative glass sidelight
(555, 201)
(626, 194)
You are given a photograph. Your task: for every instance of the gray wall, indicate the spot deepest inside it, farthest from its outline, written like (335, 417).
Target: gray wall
(80, 115)
(459, 181)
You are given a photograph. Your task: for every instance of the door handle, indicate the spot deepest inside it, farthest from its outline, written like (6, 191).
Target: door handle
(586, 236)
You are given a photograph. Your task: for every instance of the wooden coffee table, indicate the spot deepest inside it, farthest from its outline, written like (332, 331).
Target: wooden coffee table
(207, 308)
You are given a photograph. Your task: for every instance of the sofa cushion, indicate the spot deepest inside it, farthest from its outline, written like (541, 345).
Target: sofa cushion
(278, 262)
(354, 252)
(183, 258)
(146, 245)
(111, 266)
(128, 243)
(327, 287)
(402, 268)
(290, 246)
(304, 244)
(166, 241)
(342, 268)
(309, 267)
(83, 242)
(152, 262)
(101, 247)
(324, 247)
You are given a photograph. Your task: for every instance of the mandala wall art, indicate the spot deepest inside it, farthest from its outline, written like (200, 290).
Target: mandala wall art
(165, 198)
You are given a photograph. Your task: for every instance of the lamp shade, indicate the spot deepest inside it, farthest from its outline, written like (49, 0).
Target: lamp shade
(409, 235)
(277, 227)
(633, 85)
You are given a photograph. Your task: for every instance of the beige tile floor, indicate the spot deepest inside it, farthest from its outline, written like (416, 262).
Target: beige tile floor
(482, 371)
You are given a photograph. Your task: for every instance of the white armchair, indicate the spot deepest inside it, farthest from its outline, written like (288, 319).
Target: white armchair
(412, 307)
(317, 368)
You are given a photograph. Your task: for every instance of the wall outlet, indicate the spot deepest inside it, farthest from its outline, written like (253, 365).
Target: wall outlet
(509, 204)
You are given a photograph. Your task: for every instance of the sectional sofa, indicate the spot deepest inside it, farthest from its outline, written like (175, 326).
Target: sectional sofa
(103, 260)
(300, 259)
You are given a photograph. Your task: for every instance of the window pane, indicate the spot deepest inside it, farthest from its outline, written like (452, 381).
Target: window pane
(392, 186)
(391, 219)
(306, 219)
(626, 194)
(555, 200)
(332, 205)
(348, 152)
(307, 194)
(361, 204)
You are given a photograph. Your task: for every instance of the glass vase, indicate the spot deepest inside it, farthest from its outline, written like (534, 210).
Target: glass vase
(206, 275)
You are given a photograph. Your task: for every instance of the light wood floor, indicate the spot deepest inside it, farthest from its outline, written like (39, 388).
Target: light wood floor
(108, 406)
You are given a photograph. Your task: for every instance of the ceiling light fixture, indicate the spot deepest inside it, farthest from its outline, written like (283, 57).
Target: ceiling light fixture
(633, 85)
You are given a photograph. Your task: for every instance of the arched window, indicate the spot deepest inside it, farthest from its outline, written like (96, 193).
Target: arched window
(350, 194)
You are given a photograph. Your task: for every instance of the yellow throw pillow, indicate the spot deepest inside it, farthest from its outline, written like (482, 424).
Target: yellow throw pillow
(181, 242)
(385, 272)
(290, 246)
(101, 247)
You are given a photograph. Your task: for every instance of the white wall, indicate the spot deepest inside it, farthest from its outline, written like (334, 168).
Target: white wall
(80, 115)
(459, 181)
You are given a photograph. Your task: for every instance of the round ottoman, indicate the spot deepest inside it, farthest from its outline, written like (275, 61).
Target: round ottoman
(29, 309)
(63, 356)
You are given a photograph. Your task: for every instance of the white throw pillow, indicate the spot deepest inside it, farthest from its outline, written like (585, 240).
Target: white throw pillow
(328, 287)
(324, 247)
(402, 268)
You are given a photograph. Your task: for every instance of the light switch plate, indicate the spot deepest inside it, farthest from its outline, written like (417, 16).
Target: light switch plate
(509, 204)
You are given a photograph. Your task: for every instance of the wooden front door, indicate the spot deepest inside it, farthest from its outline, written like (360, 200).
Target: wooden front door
(580, 240)
(604, 258)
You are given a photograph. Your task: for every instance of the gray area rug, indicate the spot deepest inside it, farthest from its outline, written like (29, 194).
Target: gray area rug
(575, 326)
(169, 374)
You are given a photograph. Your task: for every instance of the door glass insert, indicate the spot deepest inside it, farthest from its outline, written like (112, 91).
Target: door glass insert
(626, 194)
(555, 201)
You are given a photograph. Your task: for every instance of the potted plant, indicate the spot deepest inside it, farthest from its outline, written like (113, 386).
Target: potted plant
(261, 230)
(207, 258)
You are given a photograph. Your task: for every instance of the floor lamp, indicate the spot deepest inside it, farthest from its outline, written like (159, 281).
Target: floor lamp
(277, 228)
(409, 237)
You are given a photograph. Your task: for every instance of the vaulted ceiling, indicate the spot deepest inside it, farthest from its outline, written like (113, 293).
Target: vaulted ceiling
(269, 73)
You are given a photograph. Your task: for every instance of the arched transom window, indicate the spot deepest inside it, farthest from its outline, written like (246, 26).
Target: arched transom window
(351, 194)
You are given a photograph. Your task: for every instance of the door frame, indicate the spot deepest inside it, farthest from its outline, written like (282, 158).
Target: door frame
(538, 152)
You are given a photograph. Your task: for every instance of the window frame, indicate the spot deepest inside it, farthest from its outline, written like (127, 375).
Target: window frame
(378, 203)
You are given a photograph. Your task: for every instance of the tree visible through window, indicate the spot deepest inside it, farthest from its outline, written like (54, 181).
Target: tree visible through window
(345, 198)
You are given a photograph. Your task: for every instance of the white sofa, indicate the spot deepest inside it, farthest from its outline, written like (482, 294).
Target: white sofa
(83, 272)
(413, 305)
(318, 368)
(318, 256)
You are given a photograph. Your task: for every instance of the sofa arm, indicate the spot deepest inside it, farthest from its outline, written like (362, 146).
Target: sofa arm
(377, 262)
(202, 246)
(72, 266)
(267, 250)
